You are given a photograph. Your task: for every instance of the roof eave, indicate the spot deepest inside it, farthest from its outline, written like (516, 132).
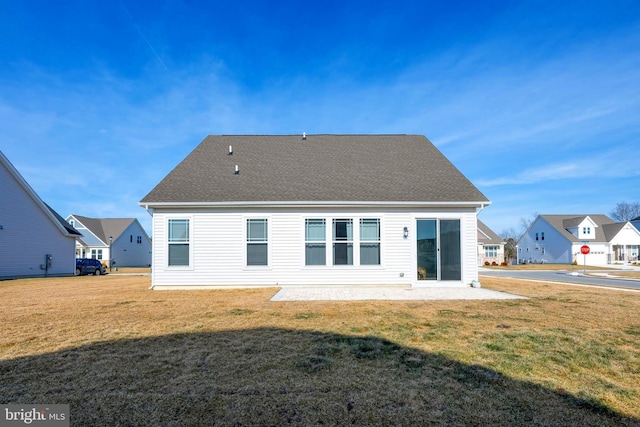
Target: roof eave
(306, 204)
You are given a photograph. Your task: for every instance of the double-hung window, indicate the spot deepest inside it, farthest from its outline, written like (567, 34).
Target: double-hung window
(369, 241)
(343, 242)
(178, 242)
(257, 242)
(315, 251)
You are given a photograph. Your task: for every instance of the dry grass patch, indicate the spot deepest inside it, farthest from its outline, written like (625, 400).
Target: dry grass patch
(121, 354)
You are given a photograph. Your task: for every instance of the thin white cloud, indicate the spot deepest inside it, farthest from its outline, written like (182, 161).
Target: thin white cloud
(534, 175)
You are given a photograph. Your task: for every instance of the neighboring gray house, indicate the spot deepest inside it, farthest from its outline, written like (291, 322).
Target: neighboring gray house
(34, 240)
(490, 246)
(121, 240)
(314, 210)
(557, 239)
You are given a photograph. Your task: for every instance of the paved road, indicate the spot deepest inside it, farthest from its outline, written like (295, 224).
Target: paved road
(563, 276)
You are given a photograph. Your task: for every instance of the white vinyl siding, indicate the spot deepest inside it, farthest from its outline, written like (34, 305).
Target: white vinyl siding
(29, 234)
(219, 246)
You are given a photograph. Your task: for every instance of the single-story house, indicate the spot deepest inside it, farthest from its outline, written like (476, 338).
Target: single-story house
(558, 239)
(314, 210)
(121, 240)
(490, 246)
(34, 240)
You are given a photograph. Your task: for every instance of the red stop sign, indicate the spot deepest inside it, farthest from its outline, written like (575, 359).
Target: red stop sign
(584, 249)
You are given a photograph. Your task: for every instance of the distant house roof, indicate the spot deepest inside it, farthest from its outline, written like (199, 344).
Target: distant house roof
(102, 228)
(612, 230)
(318, 168)
(487, 236)
(562, 222)
(574, 222)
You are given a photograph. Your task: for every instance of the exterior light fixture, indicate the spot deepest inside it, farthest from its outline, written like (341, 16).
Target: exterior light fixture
(405, 232)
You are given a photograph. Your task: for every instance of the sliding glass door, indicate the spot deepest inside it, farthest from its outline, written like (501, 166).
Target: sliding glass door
(438, 249)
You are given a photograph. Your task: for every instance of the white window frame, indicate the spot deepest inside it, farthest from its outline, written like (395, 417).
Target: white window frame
(356, 240)
(363, 241)
(190, 241)
(246, 241)
(325, 242)
(492, 248)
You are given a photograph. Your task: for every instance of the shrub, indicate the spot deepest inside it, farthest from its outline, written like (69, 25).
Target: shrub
(504, 263)
(494, 263)
(486, 263)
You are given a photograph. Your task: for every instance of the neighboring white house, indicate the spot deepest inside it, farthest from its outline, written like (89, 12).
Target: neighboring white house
(490, 246)
(34, 240)
(121, 240)
(314, 210)
(557, 239)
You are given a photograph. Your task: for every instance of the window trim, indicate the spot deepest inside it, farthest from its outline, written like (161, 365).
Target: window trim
(98, 254)
(329, 242)
(318, 242)
(362, 241)
(190, 242)
(347, 241)
(494, 248)
(246, 242)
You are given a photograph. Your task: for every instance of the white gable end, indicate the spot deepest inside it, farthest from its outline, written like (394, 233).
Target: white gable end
(587, 229)
(629, 235)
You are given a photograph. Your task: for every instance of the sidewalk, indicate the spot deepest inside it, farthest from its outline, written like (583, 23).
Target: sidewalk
(364, 293)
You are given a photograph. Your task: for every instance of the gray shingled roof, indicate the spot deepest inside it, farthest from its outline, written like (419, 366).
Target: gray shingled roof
(612, 230)
(487, 236)
(320, 168)
(561, 222)
(105, 227)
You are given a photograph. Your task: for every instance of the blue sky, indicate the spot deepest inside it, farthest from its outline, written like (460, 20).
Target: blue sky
(537, 103)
